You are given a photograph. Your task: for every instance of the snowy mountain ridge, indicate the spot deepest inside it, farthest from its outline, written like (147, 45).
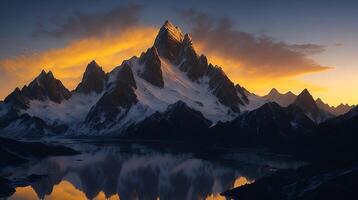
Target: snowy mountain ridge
(168, 72)
(163, 87)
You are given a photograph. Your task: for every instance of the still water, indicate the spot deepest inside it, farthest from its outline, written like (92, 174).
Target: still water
(126, 172)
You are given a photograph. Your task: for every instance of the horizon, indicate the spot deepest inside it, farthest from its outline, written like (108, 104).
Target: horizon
(66, 43)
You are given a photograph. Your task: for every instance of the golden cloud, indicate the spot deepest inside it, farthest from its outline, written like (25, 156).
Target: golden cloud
(68, 63)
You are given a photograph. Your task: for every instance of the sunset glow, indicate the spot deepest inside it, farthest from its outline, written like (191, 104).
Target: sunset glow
(69, 62)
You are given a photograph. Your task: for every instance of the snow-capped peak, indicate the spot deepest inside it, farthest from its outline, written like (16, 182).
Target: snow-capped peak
(172, 30)
(168, 41)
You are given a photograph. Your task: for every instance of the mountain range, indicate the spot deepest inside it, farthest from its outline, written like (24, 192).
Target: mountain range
(289, 97)
(169, 91)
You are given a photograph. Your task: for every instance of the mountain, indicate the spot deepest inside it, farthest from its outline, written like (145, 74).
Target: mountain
(169, 91)
(178, 122)
(306, 102)
(168, 73)
(338, 110)
(331, 151)
(282, 99)
(93, 80)
(288, 98)
(270, 124)
(346, 124)
(15, 120)
(44, 87)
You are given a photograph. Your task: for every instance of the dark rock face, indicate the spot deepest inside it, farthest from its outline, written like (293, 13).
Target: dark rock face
(112, 103)
(168, 41)
(243, 93)
(125, 75)
(177, 122)
(5, 189)
(306, 102)
(43, 87)
(93, 80)
(223, 88)
(28, 126)
(266, 126)
(190, 62)
(344, 126)
(46, 86)
(116, 102)
(152, 67)
(17, 99)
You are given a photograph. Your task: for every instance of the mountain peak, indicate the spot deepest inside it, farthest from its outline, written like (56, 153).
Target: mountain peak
(305, 91)
(187, 40)
(43, 74)
(274, 91)
(151, 71)
(93, 79)
(172, 30)
(168, 41)
(319, 100)
(43, 78)
(305, 97)
(306, 102)
(44, 86)
(93, 63)
(168, 24)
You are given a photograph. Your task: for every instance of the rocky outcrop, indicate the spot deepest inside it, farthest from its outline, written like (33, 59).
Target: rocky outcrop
(178, 122)
(151, 67)
(43, 87)
(94, 79)
(46, 86)
(17, 100)
(189, 62)
(306, 102)
(242, 92)
(268, 125)
(116, 101)
(222, 87)
(168, 42)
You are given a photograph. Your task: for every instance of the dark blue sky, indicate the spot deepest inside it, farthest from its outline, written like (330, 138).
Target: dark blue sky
(293, 21)
(331, 25)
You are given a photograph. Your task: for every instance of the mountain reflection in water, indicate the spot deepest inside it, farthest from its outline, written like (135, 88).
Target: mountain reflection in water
(115, 172)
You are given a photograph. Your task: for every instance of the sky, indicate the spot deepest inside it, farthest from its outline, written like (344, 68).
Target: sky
(289, 45)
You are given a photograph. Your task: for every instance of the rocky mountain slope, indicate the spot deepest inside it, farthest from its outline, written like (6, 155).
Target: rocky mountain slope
(104, 104)
(170, 89)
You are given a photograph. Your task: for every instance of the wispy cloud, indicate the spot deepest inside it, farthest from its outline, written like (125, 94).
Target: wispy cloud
(250, 55)
(95, 24)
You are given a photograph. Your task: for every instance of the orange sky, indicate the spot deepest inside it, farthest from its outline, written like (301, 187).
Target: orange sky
(68, 64)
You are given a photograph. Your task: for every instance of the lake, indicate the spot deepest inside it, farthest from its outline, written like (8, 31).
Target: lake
(124, 170)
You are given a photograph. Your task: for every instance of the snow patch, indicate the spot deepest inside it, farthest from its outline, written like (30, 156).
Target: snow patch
(254, 102)
(70, 111)
(177, 86)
